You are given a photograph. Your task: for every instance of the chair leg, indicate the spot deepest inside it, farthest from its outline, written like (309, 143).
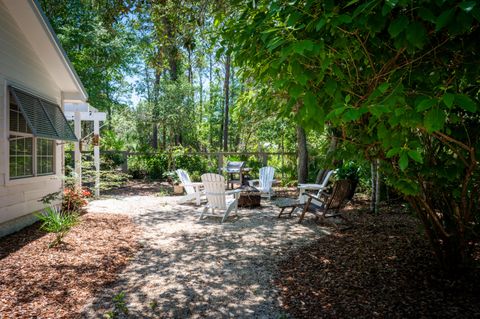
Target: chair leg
(305, 209)
(197, 198)
(301, 196)
(205, 209)
(227, 212)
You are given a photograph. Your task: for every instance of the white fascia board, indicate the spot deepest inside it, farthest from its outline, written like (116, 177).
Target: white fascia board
(39, 33)
(79, 107)
(87, 116)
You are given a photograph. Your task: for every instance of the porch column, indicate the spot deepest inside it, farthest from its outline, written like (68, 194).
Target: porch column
(78, 154)
(96, 155)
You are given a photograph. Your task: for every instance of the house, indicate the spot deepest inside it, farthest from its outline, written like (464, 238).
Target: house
(36, 80)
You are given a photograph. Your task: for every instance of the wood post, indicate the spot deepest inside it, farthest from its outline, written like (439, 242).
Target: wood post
(220, 163)
(78, 154)
(96, 155)
(125, 162)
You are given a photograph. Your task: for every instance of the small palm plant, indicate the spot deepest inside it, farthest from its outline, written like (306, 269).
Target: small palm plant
(54, 221)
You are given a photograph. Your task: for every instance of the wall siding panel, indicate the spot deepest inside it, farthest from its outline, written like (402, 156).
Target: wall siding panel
(20, 66)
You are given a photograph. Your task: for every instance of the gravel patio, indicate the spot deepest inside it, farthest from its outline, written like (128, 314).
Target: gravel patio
(201, 269)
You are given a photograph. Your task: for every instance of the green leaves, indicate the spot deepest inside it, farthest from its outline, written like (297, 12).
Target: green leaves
(416, 34)
(415, 155)
(466, 103)
(295, 91)
(330, 87)
(302, 46)
(448, 99)
(403, 161)
(467, 6)
(445, 18)
(434, 120)
(426, 104)
(397, 26)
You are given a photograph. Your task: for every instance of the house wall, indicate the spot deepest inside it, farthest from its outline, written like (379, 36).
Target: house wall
(21, 66)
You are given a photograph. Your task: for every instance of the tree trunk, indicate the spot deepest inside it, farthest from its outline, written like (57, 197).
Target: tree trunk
(331, 149)
(375, 182)
(377, 186)
(227, 100)
(201, 94)
(156, 111)
(164, 137)
(302, 155)
(190, 71)
(374, 171)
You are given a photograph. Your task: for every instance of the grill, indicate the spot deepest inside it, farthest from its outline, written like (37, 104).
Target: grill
(234, 167)
(235, 173)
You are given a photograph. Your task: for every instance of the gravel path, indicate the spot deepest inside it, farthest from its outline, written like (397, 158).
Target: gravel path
(201, 269)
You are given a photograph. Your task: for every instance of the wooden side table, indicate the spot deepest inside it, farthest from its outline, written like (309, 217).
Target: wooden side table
(284, 203)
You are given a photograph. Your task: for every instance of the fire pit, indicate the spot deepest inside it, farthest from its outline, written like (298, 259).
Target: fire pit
(249, 197)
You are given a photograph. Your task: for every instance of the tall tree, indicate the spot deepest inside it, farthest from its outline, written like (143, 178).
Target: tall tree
(362, 67)
(302, 155)
(226, 117)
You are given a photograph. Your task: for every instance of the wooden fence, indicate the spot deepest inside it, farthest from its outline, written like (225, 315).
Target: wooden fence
(262, 157)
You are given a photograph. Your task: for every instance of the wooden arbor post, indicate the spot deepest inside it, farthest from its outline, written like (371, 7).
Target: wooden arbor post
(79, 113)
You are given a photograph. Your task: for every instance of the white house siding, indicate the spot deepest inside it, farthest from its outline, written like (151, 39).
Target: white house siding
(20, 66)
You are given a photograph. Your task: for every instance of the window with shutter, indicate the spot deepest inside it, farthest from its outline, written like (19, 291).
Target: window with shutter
(34, 125)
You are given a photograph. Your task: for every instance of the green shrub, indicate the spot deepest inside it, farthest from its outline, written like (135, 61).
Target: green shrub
(55, 221)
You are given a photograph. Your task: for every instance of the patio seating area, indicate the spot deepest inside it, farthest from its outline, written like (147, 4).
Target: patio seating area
(202, 268)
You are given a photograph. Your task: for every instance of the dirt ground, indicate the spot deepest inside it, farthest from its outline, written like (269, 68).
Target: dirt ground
(191, 268)
(41, 282)
(140, 254)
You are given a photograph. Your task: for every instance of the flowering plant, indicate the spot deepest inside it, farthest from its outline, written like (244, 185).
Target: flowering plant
(74, 199)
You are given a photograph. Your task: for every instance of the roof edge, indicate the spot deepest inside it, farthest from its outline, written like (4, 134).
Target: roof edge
(53, 37)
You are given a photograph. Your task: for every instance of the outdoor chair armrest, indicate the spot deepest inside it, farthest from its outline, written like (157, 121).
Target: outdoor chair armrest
(234, 192)
(253, 181)
(311, 186)
(314, 196)
(194, 184)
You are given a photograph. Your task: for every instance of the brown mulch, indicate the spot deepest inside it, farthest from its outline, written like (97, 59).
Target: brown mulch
(41, 282)
(382, 267)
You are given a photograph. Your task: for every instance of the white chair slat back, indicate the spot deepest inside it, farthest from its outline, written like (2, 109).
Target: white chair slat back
(325, 181)
(214, 185)
(185, 179)
(266, 177)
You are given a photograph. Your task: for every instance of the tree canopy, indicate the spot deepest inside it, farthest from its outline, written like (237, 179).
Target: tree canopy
(391, 82)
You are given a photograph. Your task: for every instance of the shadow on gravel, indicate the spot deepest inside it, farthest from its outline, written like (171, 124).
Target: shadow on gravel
(204, 269)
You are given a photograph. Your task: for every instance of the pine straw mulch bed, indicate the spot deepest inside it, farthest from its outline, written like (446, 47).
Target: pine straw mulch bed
(382, 267)
(41, 282)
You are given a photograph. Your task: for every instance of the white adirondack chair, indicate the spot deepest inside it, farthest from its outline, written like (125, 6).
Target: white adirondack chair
(265, 181)
(217, 196)
(315, 187)
(193, 190)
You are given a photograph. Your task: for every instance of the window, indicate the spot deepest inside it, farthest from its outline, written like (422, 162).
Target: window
(21, 159)
(23, 145)
(45, 156)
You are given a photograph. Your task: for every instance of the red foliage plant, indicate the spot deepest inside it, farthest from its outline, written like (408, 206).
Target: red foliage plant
(74, 199)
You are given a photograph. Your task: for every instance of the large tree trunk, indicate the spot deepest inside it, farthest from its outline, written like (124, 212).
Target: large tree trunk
(302, 155)
(156, 111)
(331, 149)
(190, 71)
(200, 108)
(375, 180)
(227, 100)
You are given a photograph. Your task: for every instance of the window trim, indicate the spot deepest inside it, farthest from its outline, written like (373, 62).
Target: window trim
(35, 177)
